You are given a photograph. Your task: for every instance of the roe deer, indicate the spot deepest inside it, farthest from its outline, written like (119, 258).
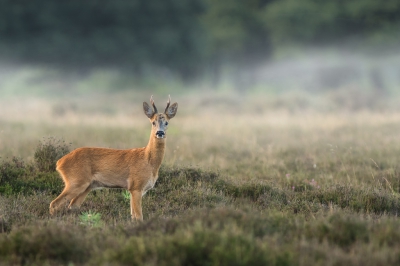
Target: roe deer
(136, 170)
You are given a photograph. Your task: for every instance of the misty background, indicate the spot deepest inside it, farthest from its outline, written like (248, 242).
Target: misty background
(289, 54)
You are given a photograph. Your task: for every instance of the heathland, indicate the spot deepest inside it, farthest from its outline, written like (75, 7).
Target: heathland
(284, 150)
(246, 180)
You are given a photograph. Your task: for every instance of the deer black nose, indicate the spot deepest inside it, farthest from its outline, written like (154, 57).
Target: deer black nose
(160, 134)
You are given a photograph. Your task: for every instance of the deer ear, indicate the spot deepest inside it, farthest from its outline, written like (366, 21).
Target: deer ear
(171, 110)
(148, 110)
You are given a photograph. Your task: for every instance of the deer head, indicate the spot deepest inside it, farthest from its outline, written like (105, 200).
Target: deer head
(160, 120)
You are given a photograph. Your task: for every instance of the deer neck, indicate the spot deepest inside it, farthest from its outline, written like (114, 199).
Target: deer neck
(155, 150)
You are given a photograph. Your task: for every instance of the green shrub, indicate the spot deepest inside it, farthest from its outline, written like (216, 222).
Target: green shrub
(342, 231)
(91, 219)
(37, 244)
(18, 177)
(198, 245)
(10, 170)
(126, 195)
(356, 199)
(48, 152)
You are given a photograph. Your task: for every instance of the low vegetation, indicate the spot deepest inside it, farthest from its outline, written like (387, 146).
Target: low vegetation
(271, 189)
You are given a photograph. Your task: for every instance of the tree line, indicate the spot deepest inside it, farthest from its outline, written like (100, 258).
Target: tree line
(185, 37)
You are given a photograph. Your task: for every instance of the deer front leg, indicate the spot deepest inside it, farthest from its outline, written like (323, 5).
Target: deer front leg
(136, 205)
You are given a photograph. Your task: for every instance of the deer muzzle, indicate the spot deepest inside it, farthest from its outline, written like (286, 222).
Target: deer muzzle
(160, 134)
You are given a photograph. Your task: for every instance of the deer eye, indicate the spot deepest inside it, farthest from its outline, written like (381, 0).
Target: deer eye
(154, 123)
(166, 123)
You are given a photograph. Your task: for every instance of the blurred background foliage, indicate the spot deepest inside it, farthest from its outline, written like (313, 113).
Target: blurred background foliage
(321, 22)
(189, 40)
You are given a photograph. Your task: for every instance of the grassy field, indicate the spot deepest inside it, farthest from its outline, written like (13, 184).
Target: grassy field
(242, 183)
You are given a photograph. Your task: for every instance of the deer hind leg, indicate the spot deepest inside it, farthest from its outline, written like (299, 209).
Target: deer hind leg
(78, 200)
(70, 192)
(136, 205)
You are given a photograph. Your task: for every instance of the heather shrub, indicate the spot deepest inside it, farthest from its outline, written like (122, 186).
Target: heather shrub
(13, 169)
(48, 152)
(53, 244)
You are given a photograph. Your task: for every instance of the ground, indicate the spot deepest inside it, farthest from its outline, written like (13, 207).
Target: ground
(243, 183)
